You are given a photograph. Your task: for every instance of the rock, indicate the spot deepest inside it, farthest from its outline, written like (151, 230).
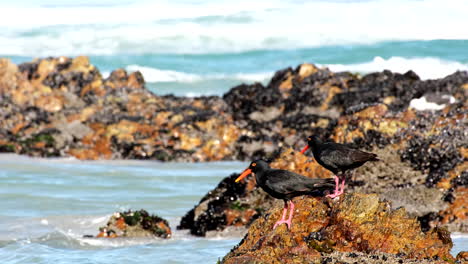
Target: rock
(248, 122)
(418, 200)
(377, 258)
(50, 103)
(322, 228)
(135, 224)
(232, 204)
(119, 79)
(8, 75)
(268, 114)
(63, 107)
(69, 131)
(416, 147)
(224, 206)
(462, 256)
(455, 216)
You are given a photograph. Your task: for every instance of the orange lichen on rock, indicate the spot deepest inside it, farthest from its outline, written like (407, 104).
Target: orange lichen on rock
(462, 256)
(123, 130)
(457, 211)
(239, 217)
(120, 223)
(119, 78)
(446, 183)
(18, 127)
(135, 224)
(96, 144)
(286, 85)
(84, 154)
(358, 222)
(361, 222)
(371, 118)
(50, 103)
(303, 71)
(218, 138)
(188, 143)
(9, 75)
(331, 92)
(262, 244)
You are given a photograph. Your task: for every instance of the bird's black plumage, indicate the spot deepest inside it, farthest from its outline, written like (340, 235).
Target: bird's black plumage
(338, 158)
(283, 184)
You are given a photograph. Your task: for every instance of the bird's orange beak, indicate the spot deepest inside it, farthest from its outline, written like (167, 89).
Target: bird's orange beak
(304, 149)
(244, 174)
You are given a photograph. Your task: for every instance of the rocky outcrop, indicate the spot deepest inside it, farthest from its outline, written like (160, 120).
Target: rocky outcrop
(322, 228)
(135, 224)
(64, 107)
(423, 166)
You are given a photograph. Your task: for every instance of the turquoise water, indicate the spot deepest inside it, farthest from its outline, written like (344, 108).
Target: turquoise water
(205, 47)
(48, 205)
(214, 74)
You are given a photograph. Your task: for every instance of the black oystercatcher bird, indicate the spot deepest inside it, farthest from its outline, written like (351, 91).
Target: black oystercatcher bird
(285, 185)
(337, 158)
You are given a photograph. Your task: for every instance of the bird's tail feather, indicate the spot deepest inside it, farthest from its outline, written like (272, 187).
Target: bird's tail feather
(322, 185)
(362, 156)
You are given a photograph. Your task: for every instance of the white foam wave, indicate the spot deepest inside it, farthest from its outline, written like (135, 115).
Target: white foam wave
(117, 242)
(157, 75)
(223, 26)
(426, 68)
(457, 235)
(422, 104)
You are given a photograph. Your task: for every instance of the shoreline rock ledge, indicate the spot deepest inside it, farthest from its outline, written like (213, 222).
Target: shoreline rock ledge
(358, 227)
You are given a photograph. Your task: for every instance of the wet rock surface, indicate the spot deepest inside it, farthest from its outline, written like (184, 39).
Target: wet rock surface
(135, 224)
(355, 225)
(225, 206)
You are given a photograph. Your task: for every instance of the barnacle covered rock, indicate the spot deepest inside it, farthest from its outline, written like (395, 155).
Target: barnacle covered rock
(135, 224)
(357, 223)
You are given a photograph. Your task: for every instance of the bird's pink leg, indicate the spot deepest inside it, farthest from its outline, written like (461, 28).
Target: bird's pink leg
(342, 185)
(291, 212)
(282, 218)
(289, 221)
(338, 190)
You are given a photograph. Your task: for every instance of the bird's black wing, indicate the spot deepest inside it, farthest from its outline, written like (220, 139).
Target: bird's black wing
(342, 156)
(287, 182)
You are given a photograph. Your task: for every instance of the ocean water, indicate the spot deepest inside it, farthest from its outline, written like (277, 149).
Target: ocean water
(49, 204)
(205, 47)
